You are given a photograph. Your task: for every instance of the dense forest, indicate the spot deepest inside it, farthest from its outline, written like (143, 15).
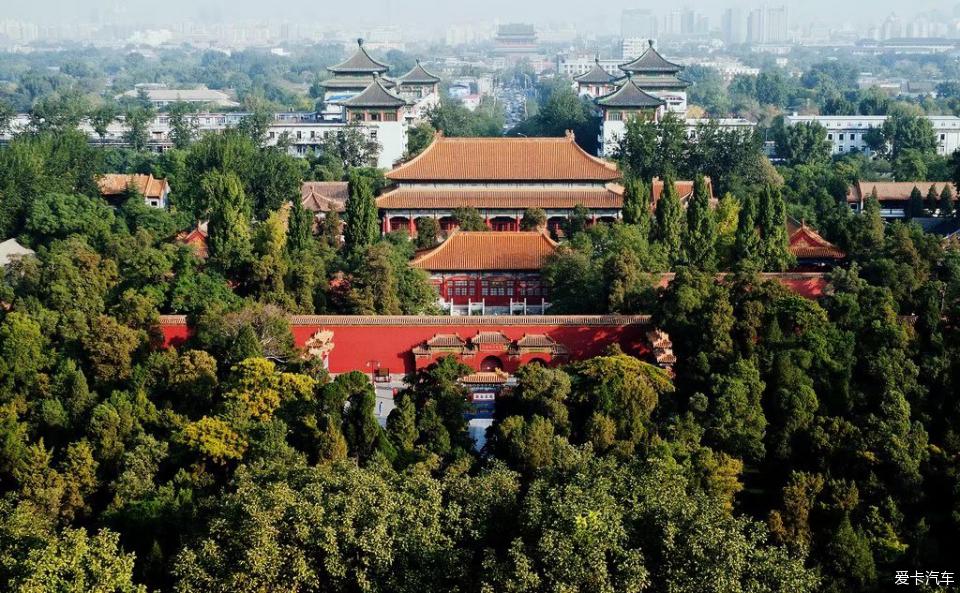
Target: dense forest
(799, 446)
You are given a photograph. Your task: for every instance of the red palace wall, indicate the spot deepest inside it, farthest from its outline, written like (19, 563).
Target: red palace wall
(386, 343)
(806, 284)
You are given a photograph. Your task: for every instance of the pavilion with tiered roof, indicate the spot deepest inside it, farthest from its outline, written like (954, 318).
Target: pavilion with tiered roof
(360, 91)
(649, 88)
(374, 103)
(418, 82)
(658, 76)
(596, 82)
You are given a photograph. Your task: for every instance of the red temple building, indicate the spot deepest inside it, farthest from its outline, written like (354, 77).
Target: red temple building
(322, 197)
(196, 238)
(489, 273)
(811, 251)
(501, 178)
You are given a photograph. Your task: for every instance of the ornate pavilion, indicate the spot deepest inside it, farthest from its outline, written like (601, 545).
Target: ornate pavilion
(648, 88)
(360, 84)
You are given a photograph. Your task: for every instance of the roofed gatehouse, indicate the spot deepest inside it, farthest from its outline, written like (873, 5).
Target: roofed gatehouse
(489, 273)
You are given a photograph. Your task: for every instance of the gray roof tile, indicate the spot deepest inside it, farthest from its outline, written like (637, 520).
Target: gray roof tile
(629, 95)
(375, 95)
(359, 62)
(651, 61)
(419, 75)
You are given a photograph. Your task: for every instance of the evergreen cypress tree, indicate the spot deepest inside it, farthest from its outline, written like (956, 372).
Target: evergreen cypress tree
(299, 228)
(633, 198)
(871, 224)
(946, 200)
(700, 237)
(747, 241)
(772, 221)
(645, 222)
(361, 215)
(428, 231)
(469, 219)
(332, 229)
(668, 221)
(915, 207)
(636, 205)
(577, 222)
(229, 238)
(533, 219)
(932, 198)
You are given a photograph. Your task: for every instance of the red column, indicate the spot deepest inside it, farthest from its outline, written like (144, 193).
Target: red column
(486, 219)
(516, 224)
(385, 227)
(593, 220)
(411, 227)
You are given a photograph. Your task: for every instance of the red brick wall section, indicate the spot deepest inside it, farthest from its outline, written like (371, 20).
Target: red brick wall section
(174, 329)
(367, 347)
(806, 284)
(811, 288)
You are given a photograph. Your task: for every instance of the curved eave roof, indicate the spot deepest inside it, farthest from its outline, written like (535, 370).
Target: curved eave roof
(359, 62)
(607, 196)
(419, 75)
(487, 251)
(656, 82)
(375, 95)
(808, 243)
(651, 61)
(504, 159)
(596, 75)
(630, 95)
(346, 82)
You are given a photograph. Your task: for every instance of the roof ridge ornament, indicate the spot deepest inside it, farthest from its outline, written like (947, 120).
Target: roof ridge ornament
(359, 41)
(650, 41)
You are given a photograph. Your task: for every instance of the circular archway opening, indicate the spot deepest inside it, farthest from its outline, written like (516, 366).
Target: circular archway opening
(491, 363)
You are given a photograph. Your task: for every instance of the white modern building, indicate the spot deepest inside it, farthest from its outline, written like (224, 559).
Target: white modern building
(161, 97)
(632, 47)
(846, 132)
(302, 132)
(574, 66)
(728, 68)
(768, 25)
(724, 123)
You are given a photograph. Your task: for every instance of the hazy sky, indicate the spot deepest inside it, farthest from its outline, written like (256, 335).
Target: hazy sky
(436, 12)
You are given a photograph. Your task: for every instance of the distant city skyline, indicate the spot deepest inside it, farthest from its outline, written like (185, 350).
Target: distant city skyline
(418, 17)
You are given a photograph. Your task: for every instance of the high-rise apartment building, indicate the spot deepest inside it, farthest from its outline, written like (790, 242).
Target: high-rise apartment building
(733, 27)
(638, 23)
(768, 25)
